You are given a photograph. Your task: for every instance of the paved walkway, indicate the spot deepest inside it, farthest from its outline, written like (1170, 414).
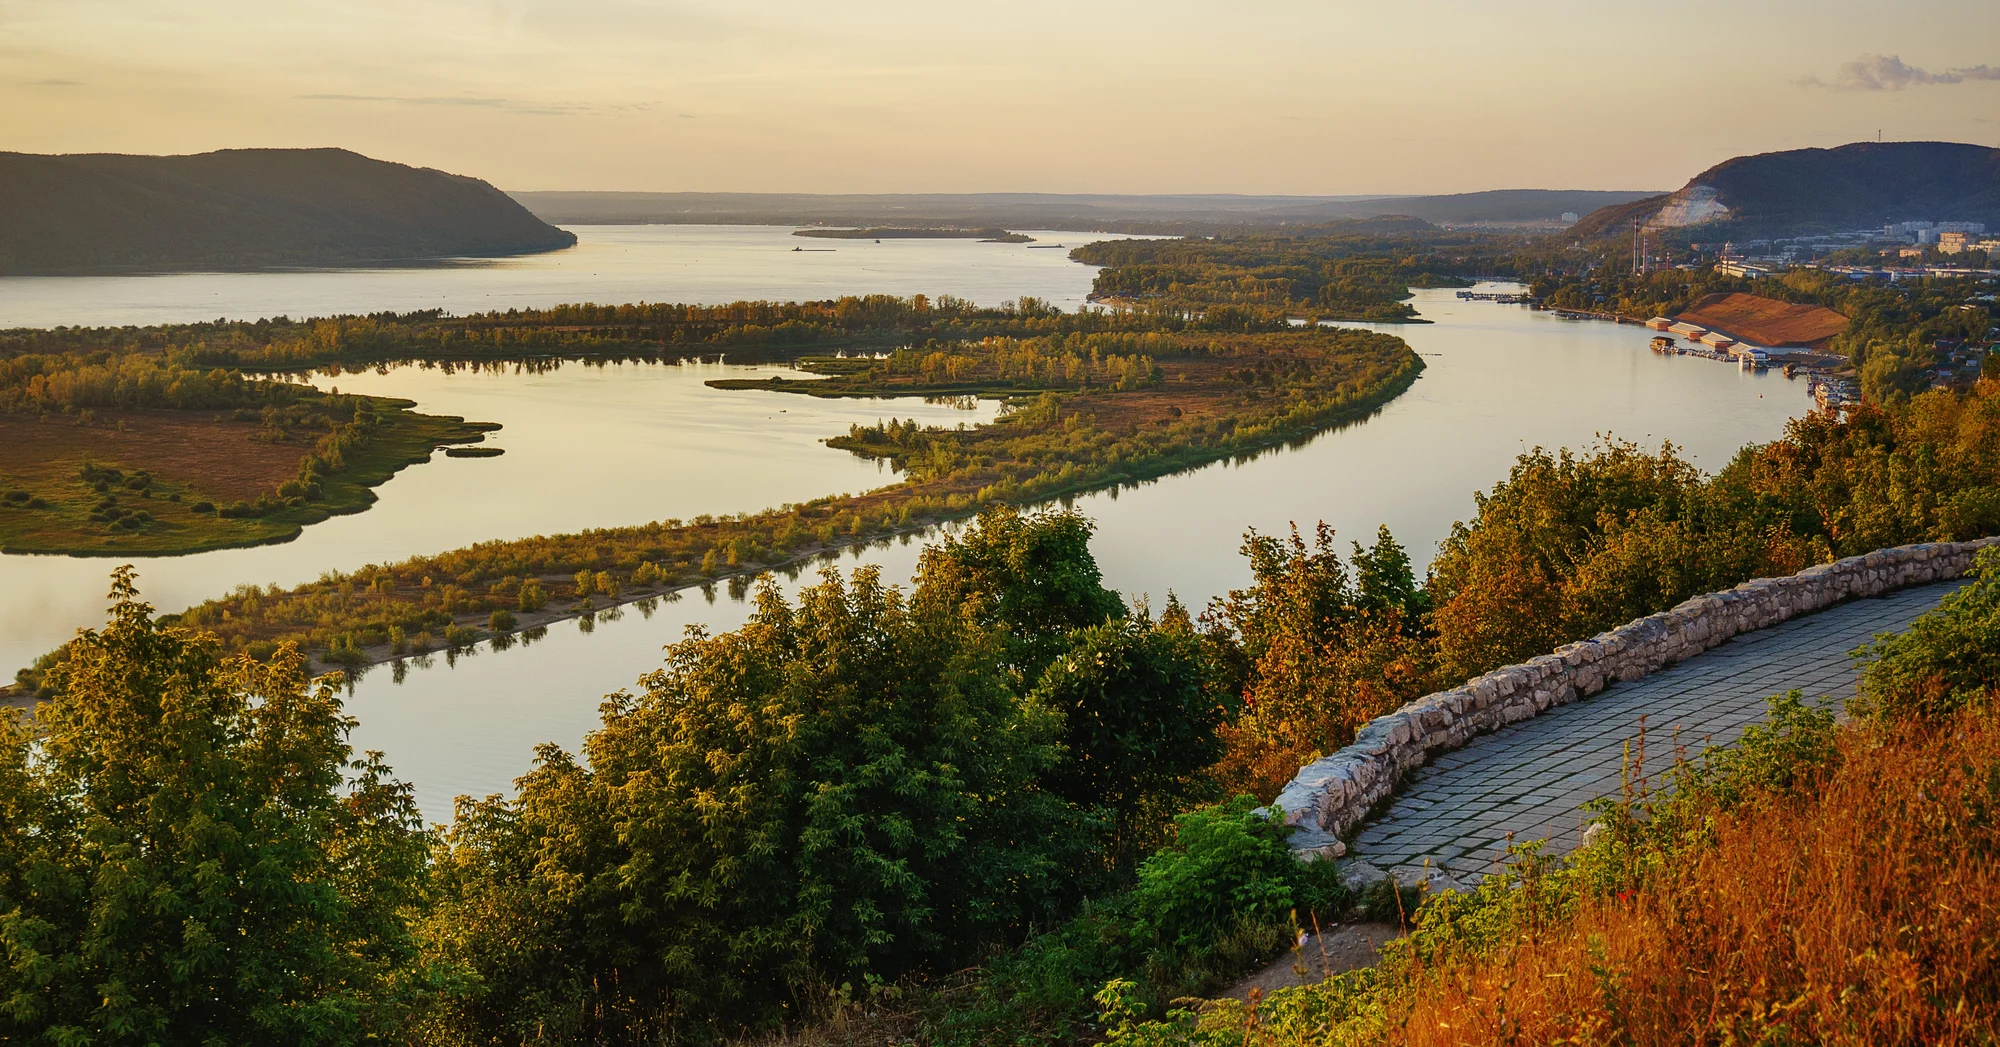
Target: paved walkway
(1529, 779)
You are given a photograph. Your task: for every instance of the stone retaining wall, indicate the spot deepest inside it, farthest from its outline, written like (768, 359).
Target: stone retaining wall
(1331, 794)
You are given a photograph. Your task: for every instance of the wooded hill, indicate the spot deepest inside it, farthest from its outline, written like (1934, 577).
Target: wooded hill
(1806, 191)
(247, 208)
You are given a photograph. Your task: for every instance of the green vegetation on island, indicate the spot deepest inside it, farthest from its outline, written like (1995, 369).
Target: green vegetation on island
(137, 453)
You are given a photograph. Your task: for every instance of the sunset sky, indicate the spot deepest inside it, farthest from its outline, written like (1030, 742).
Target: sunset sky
(1264, 96)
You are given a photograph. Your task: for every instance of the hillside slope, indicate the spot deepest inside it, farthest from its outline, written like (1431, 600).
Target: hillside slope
(1804, 191)
(247, 208)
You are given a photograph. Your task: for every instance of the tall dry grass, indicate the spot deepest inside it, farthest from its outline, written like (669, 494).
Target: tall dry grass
(1865, 912)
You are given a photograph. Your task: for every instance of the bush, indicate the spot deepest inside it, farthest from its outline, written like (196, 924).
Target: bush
(533, 597)
(1319, 893)
(1226, 863)
(202, 507)
(502, 621)
(1949, 658)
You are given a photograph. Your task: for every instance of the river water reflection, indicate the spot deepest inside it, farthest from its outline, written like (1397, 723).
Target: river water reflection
(1501, 380)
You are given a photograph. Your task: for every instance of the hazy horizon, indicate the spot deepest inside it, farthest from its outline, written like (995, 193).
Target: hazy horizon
(892, 97)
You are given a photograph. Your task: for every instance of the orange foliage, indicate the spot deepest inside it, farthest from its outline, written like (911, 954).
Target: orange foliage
(1867, 913)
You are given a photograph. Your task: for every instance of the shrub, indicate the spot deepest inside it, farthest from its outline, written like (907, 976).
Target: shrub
(1319, 893)
(202, 507)
(502, 621)
(533, 597)
(1226, 862)
(1947, 659)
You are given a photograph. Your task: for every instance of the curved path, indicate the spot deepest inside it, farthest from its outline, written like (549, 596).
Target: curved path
(1528, 779)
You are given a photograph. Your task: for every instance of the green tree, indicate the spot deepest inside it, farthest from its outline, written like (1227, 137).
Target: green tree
(1140, 705)
(186, 859)
(1031, 574)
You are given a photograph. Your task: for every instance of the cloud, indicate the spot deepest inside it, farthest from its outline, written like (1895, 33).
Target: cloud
(1891, 73)
(510, 105)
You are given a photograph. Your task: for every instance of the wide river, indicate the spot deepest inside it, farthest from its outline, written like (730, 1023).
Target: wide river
(602, 445)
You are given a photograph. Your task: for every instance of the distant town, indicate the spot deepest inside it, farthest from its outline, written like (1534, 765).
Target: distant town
(1922, 245)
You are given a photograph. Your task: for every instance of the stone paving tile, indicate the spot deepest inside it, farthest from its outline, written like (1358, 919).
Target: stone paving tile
(1529, 779)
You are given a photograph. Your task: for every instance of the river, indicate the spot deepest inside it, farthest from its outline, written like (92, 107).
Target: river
(599, 445)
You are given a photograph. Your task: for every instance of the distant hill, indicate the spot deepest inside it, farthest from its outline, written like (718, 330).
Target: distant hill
(1099, 212)
(1807, 191)
(247, 208)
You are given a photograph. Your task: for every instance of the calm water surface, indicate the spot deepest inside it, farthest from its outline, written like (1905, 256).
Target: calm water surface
(594, 446)
(609, 264)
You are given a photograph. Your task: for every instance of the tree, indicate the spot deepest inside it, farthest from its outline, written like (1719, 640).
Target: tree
(1139, 706)
(1321, 655)
(1031, 574)
(185, 859)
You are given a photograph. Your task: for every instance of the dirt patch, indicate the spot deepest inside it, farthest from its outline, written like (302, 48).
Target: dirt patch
(1340, 949)
(1766, 321)
(216, 458)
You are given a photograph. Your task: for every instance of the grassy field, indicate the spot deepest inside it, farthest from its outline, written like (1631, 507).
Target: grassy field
(152, 482)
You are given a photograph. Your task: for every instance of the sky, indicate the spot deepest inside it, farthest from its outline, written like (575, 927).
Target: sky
(1099, 96)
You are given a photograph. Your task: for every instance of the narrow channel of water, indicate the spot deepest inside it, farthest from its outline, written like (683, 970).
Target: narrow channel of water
(1501, 380)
